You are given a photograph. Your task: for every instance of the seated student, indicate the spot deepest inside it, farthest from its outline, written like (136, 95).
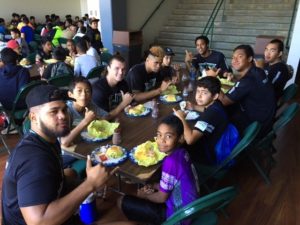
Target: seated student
(58, 33)
(59, 67)
(83, 62)
(12, 78)
(167, 72)
(16, 35)
(211, 124)
(45, 52)
(206, 61)
(14, 45)
(177, 186)
(94, 35)
(91, 50)
(142, 78)
(35, 188)
(3, 29)
(275, 68)
(111, 92)
(82, 111)
(253, 93)
(27, 31)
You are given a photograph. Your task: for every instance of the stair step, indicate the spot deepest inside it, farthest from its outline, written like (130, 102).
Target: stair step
(248, 32)
(186, 23)
(259, 19)
(266, 6)
(256, 12)
(252, 25)
(193, 11)
(195, 17)
(194, 30)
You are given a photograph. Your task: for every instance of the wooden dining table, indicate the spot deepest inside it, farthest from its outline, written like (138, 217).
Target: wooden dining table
(134, 131)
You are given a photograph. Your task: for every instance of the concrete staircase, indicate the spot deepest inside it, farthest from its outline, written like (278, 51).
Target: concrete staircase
(238, 22)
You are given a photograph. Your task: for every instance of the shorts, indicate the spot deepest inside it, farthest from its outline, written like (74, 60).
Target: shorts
(142, 210)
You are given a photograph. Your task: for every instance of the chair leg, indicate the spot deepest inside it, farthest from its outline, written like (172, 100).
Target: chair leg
(4, 143)
(260, 170)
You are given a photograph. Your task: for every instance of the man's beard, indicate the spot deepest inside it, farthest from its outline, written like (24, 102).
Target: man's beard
(51, 133)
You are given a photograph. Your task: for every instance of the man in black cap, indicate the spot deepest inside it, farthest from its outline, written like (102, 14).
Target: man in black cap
(167, 72)
(94, 35)
(34, 184)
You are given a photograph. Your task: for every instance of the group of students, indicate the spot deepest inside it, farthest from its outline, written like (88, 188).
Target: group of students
(251, 99)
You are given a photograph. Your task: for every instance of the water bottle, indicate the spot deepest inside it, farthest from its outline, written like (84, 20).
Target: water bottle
(193, 73)
(155, 110)
(87, 209)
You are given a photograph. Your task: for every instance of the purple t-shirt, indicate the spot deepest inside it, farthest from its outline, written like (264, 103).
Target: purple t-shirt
(178, 180)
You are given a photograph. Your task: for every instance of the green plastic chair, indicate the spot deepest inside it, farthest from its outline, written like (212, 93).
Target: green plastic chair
(264, 148)
(105, 57)
(203, 210)
(96, 72)
(31, 57)
(216, 173)
(61, 81)
(17, 115)
(288, 93)
(33, 45)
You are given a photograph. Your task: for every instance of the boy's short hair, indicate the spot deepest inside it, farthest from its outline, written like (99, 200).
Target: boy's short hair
(157, 51)
(8, 56)
(82, 45)
(279, 44)
(212, 84)
(202, 37)
(44, 40)
(59, 53)
(77, 80)
(16, 30)
(174, 122)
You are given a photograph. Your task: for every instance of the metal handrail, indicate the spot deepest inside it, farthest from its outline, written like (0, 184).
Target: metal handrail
(154, 11)
(287, 46)
(211, 20)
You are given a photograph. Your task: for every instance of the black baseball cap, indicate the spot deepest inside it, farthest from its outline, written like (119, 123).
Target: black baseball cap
(169, 51)
(42, 94)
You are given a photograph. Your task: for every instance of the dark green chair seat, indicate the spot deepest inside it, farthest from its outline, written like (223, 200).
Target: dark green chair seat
(262, 152)
(61, 80)
(17, 115)
(96, 72)
(288, 93)
(105, 58)
(203, 210)
(31, 57)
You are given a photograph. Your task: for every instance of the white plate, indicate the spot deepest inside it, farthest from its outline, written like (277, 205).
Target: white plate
(191, 115)
(109, 162)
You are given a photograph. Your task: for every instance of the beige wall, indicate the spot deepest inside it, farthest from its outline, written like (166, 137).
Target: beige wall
(39, 8)
(139, 10)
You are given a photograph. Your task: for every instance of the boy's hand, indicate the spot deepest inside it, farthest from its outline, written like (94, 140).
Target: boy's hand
(229, 76)
(89, 115)
(180, 114)
(189, 106)
(213, 72)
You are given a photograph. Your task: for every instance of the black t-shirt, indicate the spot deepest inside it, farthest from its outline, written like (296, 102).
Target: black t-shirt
(107, 97)
(57, 69)
(212, 124)
(33, 176)
(95, 37)
(167, 72)
(139, 80)
(278, 75)
(214, 60)
(43, 55)
(255, 96)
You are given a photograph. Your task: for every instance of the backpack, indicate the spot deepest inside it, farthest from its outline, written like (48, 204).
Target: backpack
(226, 143)
(61, 68)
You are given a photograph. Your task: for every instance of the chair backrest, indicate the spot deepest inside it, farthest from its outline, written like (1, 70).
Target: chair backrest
(248, 136)
(96, 72)
(20, 97)
(286, 116)
(288, 94)
(105, 57)
(61, 80)
(203, 205)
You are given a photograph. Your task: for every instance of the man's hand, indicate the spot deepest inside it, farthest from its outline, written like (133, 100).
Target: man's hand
(213, 72)
(126, 98)
(164, 85)
(97, 175)
(189, 105)
(188, 56)
(229, 76)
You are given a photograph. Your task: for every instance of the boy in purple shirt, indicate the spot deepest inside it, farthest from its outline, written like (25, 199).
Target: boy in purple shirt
(177, 186)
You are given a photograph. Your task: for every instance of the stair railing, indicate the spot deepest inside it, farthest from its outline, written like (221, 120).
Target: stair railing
(209, 27)
(287, 43)
(151, 15)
